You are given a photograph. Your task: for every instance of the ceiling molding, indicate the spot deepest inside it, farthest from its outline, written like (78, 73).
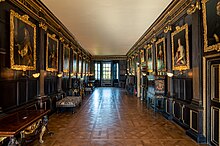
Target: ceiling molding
(38, 11)
(169, 15)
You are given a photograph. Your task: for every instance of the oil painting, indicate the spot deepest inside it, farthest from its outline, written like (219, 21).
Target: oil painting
(180, 48)
(52, 53)
(22, 42)
(160, 55)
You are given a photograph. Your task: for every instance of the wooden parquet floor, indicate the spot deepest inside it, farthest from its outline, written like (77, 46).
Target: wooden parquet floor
(111, 117)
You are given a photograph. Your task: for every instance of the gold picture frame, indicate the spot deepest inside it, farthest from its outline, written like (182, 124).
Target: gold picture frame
(79, 64)
(75, 58)
(211, 21)
(161, 55)
(142, 55)
(149, 57)
(51, 53)
(180, 48)
(22, 42)
(66, 58)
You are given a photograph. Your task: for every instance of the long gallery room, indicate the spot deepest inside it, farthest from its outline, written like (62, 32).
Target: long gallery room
(109, 72)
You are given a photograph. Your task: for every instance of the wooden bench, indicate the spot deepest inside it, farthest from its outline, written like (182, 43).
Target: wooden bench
(69, 102)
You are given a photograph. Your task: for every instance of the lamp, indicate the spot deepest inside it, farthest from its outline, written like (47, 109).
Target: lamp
(72, 74)
(169, 74)
(59, 75)
(36, 75)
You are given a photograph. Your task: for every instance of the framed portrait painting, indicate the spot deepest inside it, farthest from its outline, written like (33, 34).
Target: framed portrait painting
(74, 62)
(211, 21)
(79, 66)
(66, 58)
(180, 48)
(51, 53)
(132, 65)
(142, 55)
(22, 42)
(149, 53)
(161, 55)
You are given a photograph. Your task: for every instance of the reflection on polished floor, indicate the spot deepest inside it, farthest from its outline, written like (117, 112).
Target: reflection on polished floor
(111, 117)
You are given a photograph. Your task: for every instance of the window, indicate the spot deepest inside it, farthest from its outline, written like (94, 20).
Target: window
(115, 71)
(107, 71)
(97, 71)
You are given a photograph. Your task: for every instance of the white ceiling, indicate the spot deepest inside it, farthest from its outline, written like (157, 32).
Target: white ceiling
(107, 27)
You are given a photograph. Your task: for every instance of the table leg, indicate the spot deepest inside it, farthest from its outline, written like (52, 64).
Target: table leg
(13, 141)
(43, 129)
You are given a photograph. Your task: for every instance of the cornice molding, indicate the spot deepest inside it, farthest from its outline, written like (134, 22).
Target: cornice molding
(169, 15)
(39, 11)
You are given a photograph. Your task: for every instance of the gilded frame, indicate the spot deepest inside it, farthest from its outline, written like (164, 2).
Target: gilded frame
(142, 55)
(211, 25)
(149, 57)
(180, 48)
(83, 66)
(22, 42)
(161, 55)
(75, 62)
(66, 58)
(51, 53)
(79, 74)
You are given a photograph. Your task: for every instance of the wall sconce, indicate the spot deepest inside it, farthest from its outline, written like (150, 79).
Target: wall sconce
(180, 72)
(59, 75)
(36, 75)
(169, 74)
(72, 74)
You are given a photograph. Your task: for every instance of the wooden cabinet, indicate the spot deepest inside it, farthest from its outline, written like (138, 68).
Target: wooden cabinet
(156, 91)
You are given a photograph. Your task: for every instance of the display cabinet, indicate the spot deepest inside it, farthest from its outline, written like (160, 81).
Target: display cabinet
(156, 92)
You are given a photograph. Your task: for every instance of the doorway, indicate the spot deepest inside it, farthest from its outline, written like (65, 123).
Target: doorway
(213, 101)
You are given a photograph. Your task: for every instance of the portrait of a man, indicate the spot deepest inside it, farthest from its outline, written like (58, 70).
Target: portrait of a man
(52, 53)
(180, 48)
(23, 43)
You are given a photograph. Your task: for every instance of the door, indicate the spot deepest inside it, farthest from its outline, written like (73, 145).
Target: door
(213, 102)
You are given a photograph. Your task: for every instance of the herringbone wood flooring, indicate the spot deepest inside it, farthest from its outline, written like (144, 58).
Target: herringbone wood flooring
(111, 117)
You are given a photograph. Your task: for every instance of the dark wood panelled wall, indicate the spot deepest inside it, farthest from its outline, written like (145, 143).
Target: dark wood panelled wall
(192, 96)
(18, 87)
